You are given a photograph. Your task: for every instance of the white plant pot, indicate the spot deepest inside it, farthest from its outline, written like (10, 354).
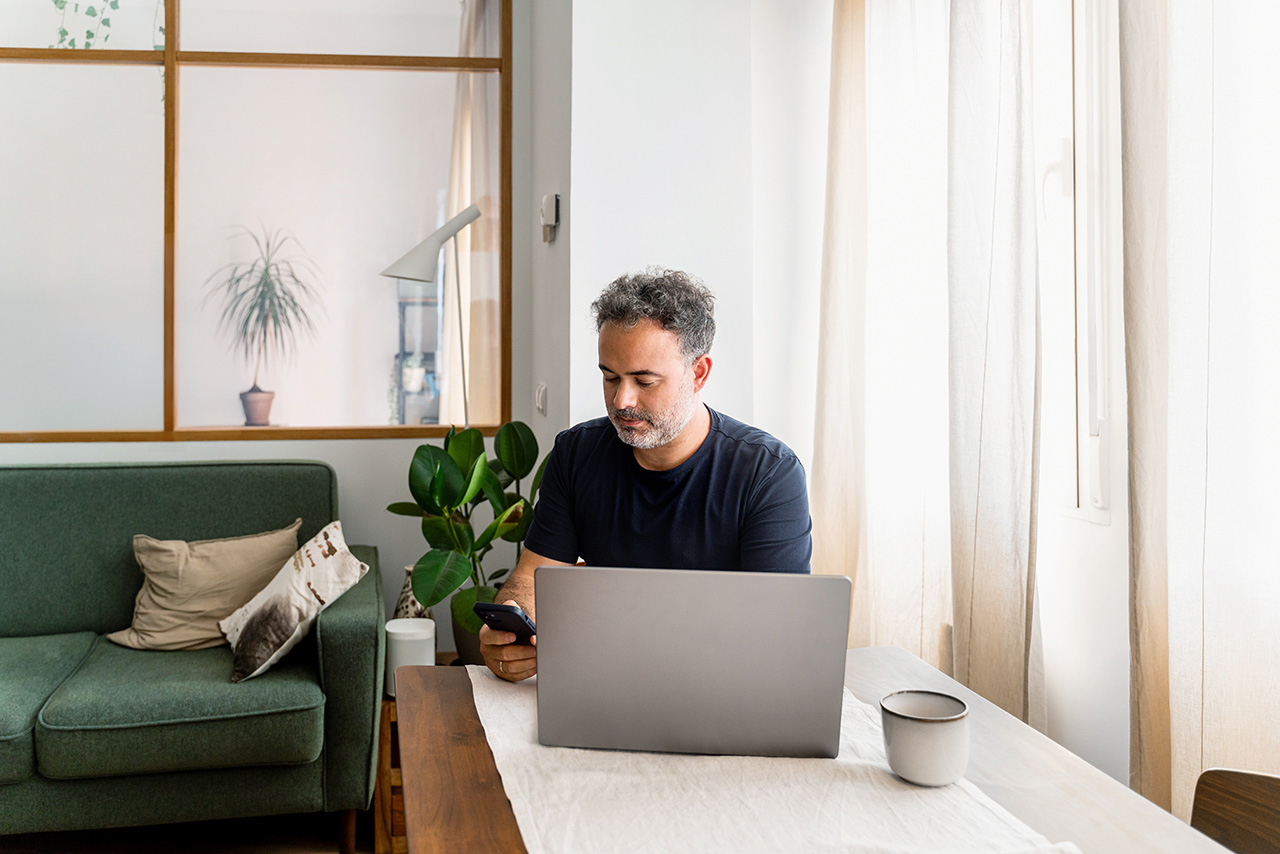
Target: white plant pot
(413, 379)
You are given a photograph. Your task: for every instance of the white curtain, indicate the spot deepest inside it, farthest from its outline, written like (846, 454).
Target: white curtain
(1202, 212)
(1143, 35)
(475, 281)
(924, 443)
(994, 353)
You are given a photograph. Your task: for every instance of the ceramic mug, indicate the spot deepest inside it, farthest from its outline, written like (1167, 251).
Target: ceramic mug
(926, 736)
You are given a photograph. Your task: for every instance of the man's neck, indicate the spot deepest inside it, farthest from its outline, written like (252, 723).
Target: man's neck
(679, 449)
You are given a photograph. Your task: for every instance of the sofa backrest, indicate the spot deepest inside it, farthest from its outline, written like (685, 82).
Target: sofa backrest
(66, 531)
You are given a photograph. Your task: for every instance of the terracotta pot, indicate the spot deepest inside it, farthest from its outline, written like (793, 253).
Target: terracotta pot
(467, 645)
(257, 406)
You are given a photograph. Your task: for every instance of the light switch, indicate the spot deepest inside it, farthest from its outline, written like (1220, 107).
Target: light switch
(549, 215)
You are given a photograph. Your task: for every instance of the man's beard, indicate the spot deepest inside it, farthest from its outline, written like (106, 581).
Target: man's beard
(663, 427)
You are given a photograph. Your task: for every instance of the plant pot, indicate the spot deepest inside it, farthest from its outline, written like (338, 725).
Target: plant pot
(466, 625)
(467, 645)
(257, 406)
(413, 379)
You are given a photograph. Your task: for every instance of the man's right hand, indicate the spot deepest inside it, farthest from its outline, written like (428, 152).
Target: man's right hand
(507, 659)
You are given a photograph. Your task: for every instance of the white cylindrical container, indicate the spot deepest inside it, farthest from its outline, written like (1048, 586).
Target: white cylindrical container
(410, 640)
(926, 736)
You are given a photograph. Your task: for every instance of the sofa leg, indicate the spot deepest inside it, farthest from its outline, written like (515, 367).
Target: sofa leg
(347, 832)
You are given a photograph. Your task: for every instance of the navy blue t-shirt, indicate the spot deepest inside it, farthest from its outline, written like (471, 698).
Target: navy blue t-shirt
(739, 503)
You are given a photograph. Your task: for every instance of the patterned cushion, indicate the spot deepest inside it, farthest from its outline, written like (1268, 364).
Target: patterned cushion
(282, 613)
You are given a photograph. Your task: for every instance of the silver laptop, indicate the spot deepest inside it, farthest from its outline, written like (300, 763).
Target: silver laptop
(688, 661)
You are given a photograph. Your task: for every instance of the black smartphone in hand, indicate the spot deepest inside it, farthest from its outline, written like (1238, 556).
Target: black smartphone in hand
(506, 618)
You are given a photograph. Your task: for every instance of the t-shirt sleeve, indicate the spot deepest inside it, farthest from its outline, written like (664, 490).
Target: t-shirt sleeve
(552, 533)
(777, 536)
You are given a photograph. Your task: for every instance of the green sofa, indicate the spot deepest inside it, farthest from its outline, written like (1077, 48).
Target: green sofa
(94, 735)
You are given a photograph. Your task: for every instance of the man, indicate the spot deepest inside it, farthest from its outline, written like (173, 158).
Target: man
(662, 481)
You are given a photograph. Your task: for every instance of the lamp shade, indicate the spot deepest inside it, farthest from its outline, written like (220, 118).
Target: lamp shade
(419, 263)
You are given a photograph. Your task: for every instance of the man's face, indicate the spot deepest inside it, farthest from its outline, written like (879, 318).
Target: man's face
(650, 390)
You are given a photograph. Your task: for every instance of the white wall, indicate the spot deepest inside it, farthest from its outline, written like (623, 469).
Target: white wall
(699, 143)
(790, 82)
(70, 295)
(541, 290)
(661, 163)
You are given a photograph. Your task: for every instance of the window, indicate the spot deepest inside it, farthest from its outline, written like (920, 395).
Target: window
(158, 157)
(1077, 146)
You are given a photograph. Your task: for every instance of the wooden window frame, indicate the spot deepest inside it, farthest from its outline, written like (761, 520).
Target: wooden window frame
(172, 59)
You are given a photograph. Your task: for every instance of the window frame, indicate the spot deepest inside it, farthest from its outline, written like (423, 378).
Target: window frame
(172, 59)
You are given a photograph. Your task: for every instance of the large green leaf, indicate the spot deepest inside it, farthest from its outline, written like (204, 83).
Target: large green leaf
(504, 478)
(517, 448)
(465, 533)
(479, 474)
(465, 447)
(437, 574)
(435, 529)
(499, 526)
(493, 491)
(521, 530)
(460, 607)
(447, 485)
(422, 472)
(405, 508)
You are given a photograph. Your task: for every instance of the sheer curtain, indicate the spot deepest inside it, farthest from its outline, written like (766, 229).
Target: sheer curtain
(473, 179)
(925, 432)
(1202, 210)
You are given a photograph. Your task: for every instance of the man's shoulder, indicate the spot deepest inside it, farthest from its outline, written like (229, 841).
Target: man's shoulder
(744, 437)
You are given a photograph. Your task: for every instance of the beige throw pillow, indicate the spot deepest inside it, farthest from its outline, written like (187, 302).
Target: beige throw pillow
(188, 587)
(281, 614)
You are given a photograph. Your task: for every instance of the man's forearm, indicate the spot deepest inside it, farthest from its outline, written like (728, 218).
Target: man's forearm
(519, 586)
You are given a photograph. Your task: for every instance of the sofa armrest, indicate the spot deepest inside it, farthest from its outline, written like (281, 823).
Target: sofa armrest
(351, 645)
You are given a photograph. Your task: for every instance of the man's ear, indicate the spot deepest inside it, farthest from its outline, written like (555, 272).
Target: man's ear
(701, 370)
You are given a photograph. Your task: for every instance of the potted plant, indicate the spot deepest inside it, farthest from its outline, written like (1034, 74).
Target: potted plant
(448, 485)
(413, 372)
(264, 306)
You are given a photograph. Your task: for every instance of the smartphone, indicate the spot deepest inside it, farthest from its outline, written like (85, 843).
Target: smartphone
(506, 618)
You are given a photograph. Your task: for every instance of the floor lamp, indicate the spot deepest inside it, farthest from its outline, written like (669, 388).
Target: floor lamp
(420, 263)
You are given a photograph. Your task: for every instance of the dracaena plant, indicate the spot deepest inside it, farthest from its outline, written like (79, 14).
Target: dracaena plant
(448, 485)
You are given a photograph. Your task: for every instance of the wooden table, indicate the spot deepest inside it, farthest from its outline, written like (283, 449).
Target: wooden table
(454, 801)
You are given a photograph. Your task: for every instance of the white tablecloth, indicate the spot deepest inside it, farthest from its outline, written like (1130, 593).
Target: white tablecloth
(568, 800)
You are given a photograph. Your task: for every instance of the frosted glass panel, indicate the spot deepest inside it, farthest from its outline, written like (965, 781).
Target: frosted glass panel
(81, 248)
(377, 27)
(77, 24)
(354, 166)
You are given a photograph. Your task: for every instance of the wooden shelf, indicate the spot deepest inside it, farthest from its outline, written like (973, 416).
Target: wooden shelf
(388, 793)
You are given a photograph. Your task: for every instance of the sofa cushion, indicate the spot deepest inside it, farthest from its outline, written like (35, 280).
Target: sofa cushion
(30, 670)
(272, 622)
(129, 711)
(189, 586)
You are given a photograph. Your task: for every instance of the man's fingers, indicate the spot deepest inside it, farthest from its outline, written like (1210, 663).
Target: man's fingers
(492, 637)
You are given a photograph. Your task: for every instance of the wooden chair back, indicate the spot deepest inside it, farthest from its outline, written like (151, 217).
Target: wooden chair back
(1238, 809)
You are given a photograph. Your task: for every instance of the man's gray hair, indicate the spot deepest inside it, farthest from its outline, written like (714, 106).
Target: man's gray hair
(676, 300)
